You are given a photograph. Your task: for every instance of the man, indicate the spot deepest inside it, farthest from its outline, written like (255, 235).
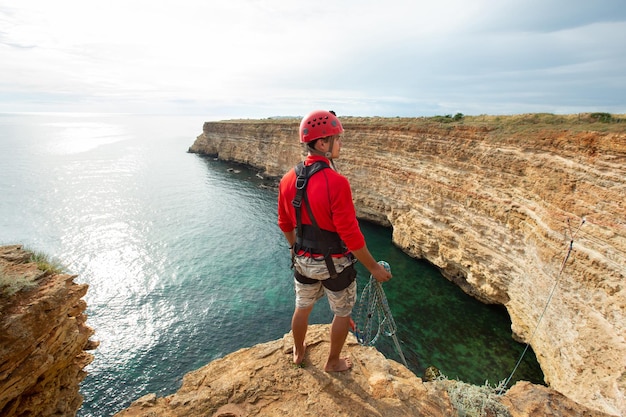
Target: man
(321, 227)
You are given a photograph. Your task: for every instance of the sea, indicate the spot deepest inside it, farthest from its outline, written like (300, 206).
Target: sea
(185, 262)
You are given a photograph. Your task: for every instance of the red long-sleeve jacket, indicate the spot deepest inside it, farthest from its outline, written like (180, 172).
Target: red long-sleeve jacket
(330, 197)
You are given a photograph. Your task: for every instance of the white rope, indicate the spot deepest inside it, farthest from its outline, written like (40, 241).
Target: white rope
(374, 316)
(569, 251)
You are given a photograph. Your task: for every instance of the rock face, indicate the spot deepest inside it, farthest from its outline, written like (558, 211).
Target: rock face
(497, 206)
(43, 341)
(261, 381)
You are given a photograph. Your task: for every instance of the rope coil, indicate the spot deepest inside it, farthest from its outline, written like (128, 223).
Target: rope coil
(374, 316)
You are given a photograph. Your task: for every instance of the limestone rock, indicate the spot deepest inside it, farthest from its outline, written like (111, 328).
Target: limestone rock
(497, 207)
(43, 341)
(525, 399)
(261, 381)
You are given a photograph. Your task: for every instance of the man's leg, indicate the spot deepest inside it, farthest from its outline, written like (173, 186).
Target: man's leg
(299, 326)
(341, 303)
(338, 334)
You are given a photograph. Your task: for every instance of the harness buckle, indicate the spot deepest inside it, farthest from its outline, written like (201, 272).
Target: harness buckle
(301, 182)
(297, 201)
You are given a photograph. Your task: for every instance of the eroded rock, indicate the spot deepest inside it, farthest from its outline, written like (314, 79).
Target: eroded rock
(262, 381)
(43, 341)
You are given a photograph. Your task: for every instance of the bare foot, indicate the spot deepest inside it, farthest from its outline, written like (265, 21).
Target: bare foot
(340, 365)
(298, 355)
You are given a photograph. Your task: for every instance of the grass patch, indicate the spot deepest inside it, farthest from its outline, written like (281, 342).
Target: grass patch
(473, 400)
(500, 124)
(11, 284)
(14, 280)
(448, 118)
(46, 264)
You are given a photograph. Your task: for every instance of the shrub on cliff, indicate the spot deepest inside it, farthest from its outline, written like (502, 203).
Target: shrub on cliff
(44, 263)
(10, 284)
(448, 118)
(13, 280)
(473, 400)
(602, 117)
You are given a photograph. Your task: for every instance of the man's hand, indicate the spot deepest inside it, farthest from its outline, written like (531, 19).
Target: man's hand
(380, 274)
(377, 270)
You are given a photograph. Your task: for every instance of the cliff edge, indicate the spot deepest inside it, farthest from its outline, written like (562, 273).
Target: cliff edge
(43, 338)
(496, 203)
(261, 381)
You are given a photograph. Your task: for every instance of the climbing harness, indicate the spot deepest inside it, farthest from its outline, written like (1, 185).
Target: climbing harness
(556, 282)
(373, 315)
(311, 238)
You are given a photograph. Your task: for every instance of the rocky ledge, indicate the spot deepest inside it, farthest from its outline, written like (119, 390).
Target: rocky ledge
(261, 381)
(43, 338)
(496, 203)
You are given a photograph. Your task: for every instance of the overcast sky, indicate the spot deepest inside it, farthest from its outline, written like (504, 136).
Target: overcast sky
(264, 58)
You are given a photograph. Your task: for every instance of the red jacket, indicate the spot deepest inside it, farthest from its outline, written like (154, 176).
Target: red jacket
(331, 202)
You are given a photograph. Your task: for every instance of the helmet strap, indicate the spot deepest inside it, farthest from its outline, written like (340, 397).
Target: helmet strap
(329, 154)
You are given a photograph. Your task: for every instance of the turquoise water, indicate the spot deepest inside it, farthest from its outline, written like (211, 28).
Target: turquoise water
(185, 262)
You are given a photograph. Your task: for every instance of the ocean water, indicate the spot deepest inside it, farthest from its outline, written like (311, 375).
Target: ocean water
(185, 262)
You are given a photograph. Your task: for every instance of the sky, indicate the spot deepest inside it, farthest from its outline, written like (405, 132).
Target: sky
(269, 58)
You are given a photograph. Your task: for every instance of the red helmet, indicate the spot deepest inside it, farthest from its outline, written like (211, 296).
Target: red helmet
(319, 124)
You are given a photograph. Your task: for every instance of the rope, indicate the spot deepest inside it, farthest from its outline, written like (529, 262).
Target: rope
(374, 317)
(556, 282)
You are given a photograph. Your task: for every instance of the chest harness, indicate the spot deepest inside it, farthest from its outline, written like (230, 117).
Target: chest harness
(310, 238)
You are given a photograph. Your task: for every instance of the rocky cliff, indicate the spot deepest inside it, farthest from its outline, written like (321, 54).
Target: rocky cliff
(497, 204)
(43, 339)
(261, 381)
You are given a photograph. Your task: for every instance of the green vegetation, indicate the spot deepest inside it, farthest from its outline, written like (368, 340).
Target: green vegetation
(506, 127)
(44, 263)
(503, 124)
(12, 282)
(473, 400)
(448, 118)
(604, 118)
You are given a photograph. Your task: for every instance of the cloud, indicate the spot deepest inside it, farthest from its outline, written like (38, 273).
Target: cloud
(264, 58)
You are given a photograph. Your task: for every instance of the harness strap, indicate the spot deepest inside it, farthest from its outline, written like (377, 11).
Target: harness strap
(303, 173)
(318, 235)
